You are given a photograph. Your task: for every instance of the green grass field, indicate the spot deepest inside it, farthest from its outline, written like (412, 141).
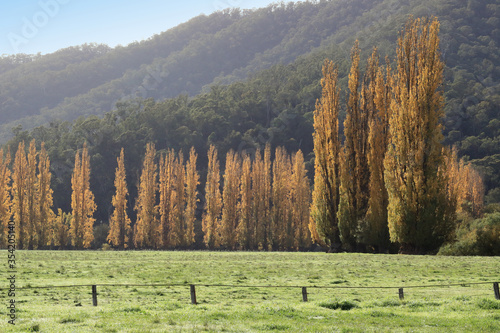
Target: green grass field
(467, 307)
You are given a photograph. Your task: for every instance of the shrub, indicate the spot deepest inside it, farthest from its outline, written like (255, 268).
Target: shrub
(106, 247)
(477, 237)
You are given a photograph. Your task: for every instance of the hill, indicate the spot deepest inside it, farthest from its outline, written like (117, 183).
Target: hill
(253, 77)
(222, 47)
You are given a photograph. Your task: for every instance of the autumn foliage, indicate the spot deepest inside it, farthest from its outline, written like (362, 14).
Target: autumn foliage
(82, 202)
(390, 179)
(119, 223)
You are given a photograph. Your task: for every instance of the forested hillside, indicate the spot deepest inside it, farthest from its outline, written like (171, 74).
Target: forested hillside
(222, 47)
(239, 80)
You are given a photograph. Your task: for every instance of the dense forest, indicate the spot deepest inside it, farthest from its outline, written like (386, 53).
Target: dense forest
(224, 80)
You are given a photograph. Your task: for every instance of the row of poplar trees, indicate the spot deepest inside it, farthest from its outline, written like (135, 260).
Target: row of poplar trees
(26, 200)
(391, 180)
(256, 208)
(260, 205)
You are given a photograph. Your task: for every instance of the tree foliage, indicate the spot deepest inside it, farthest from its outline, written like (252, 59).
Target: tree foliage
(354, 171)
(324, 222)
(119, 223)
(213, 201)
(46, 216)
(82, 202)
(418, 212)
(230, 198)
(19, 199)
(146, 227)
(5, 197)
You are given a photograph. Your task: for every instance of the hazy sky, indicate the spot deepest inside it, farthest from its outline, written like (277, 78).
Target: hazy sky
(32, 26)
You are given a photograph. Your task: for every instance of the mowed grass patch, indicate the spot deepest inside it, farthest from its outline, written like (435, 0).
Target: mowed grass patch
(126, 304)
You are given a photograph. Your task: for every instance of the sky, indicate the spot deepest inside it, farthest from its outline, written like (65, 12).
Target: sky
(45, 26)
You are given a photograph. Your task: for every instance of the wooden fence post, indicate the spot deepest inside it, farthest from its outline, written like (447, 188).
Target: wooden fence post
(495, 289)
(304, 294)
(193, 294)
(94, 295)
(401, 294)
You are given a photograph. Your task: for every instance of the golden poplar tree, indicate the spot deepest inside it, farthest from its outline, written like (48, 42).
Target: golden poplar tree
(5, 197)
(144, 229)
(325, 199)
(355, 171)
(267, 193)
(418, 210)
(119, 223)
(45, 200)
(165, 205)
(230, 198)
(465, 185)
(76, 228)
(192, 182)
(300, 195)
(178, 202)
(473, 199)
(281, 224)
(261, 196)
(213, 200)
(88, 204)
(32, 221)
(375, 232)
(19, 198)
(245, 229)
(61, 229)
(82, 202)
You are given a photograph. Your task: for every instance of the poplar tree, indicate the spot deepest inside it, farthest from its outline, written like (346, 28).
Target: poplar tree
(192, 182)
(82, 202)
(230, 198)
(418, 214)
(61, 229)
(5, 197)
(261, 196)
(472, 194)
(165, 205)
(266, 193)
(213, 200)
(376, 232)
(325, 199)
(144, 229)
(281, 236)
(31, 190)
(245, 229)
(465, 185)
(119, 228)
(45, 200)
(177, 226)
(19, 197)
(355, 172)
(300, 196)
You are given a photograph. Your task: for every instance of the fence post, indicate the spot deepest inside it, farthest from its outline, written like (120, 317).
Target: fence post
(304, 294)
(94, 295)
(401, 294)
(495, 289)
(193, 294)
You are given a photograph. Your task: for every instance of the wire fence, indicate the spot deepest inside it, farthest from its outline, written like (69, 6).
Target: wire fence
(113, 292)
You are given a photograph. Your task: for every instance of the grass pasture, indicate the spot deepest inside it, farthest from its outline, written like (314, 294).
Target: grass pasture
(125, 304)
